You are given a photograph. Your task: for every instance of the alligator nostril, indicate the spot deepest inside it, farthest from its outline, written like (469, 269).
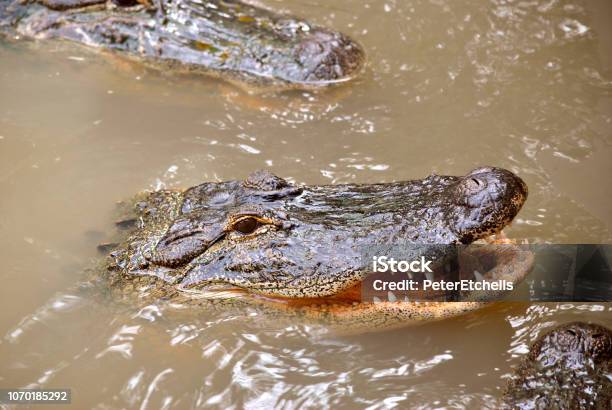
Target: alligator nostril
(571, 332)
(476, 181)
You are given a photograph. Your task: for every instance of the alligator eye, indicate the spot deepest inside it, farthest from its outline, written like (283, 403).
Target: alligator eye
(246, 225)
(126, 3)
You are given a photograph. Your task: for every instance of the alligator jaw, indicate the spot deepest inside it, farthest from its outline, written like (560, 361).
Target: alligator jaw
(347, 310)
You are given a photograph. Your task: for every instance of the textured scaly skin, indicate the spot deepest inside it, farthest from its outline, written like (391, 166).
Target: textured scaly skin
(231, 39)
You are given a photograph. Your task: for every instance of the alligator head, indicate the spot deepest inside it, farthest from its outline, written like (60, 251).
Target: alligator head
(229, 38)
(268, 237)
(566, 368)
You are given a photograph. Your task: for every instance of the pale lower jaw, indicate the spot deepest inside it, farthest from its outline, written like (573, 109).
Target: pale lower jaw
(348, 310)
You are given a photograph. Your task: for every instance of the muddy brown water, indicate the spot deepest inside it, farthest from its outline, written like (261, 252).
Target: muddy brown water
(449, 86)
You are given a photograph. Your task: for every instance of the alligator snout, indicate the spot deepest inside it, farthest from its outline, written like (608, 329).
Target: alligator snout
(567, 367)
(328, 57)
(489, 185)
(485, 199)
(574, 342)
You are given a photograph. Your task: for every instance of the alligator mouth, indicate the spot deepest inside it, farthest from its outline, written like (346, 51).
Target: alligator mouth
(508, 261)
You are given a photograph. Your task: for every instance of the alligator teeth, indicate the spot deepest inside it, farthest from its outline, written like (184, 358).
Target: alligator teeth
(429, 275)
(478, 276)
(391, 297)
(376, 300)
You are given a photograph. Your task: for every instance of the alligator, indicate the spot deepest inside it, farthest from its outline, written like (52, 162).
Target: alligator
(266, 240)
(227, 38)
(569, 367)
